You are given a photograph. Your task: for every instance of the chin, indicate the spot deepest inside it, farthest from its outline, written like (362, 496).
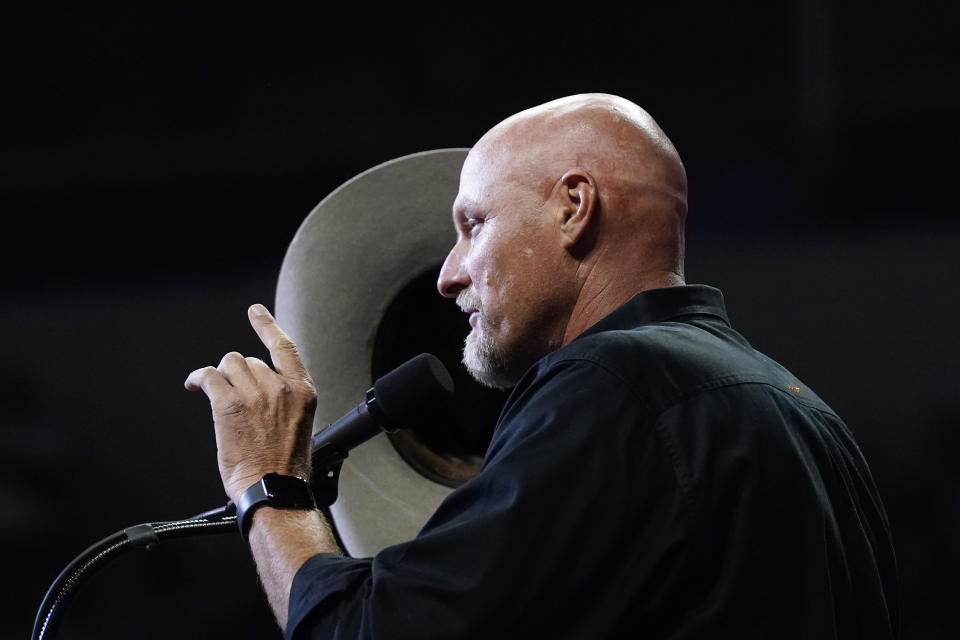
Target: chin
(488, 364)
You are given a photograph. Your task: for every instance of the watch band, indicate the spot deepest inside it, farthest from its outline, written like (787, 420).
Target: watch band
(274, 490)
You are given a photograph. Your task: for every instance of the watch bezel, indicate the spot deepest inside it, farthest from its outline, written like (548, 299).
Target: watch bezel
(274, 490)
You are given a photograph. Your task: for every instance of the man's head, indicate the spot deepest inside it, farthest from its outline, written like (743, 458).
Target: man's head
(565, 211)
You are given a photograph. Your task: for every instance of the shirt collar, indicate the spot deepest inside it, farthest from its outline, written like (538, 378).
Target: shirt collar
(663, 304)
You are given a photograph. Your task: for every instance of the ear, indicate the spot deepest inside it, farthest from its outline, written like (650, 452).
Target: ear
(578, 203)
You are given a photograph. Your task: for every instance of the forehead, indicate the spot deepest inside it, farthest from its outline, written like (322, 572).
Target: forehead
(474, 180)
(495, 170)
(464, 206)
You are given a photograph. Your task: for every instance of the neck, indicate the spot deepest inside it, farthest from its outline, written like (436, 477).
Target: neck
(596, 301)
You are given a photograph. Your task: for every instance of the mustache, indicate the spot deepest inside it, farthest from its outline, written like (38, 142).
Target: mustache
(466, 300)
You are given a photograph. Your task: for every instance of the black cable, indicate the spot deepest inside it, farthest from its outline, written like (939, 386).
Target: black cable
(82, 567)
(195, 527)
(66, 583)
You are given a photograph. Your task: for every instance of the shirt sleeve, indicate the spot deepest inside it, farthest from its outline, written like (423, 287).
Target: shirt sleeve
(574, 476)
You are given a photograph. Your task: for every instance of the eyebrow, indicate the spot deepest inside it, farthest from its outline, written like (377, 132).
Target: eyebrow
(463, 210)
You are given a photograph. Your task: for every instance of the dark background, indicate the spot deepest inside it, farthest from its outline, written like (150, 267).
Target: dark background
(155, 162)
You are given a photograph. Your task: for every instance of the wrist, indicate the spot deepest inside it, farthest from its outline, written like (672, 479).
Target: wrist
(241, 480)
(275, 491)
(268, 520)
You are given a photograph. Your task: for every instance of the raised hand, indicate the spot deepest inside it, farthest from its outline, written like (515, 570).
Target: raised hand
(263, 417)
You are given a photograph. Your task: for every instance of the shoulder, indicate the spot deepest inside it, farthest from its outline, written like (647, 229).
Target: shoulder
(666, 363)
(657, 360)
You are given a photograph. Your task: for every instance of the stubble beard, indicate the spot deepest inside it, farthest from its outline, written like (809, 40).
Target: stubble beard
(484, 359)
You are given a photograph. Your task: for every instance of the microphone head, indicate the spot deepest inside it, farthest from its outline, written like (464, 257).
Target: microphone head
(419, 387)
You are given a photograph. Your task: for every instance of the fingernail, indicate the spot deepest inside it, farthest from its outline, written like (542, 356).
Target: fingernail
(259, 310)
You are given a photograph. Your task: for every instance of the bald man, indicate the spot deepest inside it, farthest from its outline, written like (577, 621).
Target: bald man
(651, 474)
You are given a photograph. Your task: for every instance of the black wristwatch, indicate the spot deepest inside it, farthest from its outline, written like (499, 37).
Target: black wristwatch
(274, 490)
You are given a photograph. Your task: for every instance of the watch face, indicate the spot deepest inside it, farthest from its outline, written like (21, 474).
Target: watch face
(288, 492)
(277, 491)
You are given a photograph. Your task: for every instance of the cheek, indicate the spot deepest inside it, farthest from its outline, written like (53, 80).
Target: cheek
(483, 263)
(505, 271)
(493, 283)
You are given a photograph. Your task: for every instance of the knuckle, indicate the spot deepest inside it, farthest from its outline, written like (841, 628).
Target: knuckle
(307, 389)
(302, 386)
(230, 358)
(205, 372)
(256, 363)
(200, 378)
(310, 397)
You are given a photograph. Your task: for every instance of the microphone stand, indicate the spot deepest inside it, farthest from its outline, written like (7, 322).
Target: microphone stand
(324, 480)
(141, 536)
(395, 399)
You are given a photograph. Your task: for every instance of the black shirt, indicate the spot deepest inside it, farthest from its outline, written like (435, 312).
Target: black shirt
(656, 478)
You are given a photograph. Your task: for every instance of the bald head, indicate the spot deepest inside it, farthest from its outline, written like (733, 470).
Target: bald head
(607, 133)
(565, 211)
(641, 182)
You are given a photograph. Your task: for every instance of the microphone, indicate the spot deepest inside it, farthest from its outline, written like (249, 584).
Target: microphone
(416, 389)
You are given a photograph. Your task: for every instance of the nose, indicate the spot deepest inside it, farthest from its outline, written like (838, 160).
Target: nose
(453, 277)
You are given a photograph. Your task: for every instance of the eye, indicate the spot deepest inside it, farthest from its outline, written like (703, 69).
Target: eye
(473, 224)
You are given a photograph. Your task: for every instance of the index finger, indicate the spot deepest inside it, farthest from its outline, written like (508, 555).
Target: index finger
(283, 352)
(209, 380)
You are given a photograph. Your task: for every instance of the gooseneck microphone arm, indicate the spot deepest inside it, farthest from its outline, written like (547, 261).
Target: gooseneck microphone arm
(141, 536)
(415, 389)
